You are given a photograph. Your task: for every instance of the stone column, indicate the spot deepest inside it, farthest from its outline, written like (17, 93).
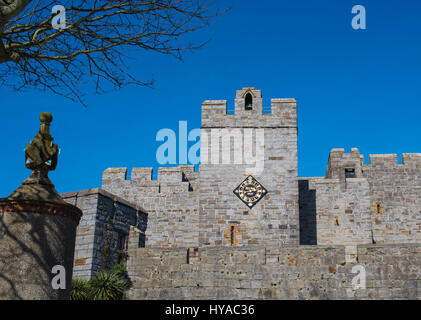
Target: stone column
(37, 229)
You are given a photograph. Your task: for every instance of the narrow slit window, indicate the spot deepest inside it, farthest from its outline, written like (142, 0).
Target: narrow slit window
(249, 102)
(379, 208)
(349, 173)
(122, 241)
(141, 241)
(232, 235)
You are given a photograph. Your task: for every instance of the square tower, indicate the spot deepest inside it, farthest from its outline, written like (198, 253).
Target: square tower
(249, 173)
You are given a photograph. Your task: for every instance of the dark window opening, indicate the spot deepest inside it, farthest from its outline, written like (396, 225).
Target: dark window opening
(122, 242)
(249, 102)
(184, 177)
(379, 208)
(232, 235)
(142, 240)
(349, 173)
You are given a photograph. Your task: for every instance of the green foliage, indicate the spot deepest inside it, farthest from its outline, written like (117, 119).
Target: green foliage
(120, 269)
(80, 289)
(104, 286)
(108, 286)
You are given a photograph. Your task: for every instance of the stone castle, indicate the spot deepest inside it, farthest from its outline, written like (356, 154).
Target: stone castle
(232, 231)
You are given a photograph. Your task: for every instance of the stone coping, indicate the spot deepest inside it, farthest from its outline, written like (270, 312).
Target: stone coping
(337, 181)
(88, 192)
(322, 247)
(283, 100)
(390, 245)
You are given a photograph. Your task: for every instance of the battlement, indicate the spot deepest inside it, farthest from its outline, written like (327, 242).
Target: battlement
(249, 112)
(141, 174)
(383, 159)
(170, 179)
(410, 160)
(342, 165)
(165, 174)
(351, 165)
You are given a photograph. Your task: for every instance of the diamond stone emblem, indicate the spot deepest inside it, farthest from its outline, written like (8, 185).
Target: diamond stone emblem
(250, 191)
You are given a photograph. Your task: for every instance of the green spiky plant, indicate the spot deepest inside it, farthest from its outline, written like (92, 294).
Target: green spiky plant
(120, 269)
(108, 286)
(80, 289)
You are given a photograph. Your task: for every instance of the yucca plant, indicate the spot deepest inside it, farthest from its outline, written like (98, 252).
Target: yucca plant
(107, 286)
(120, 270)
(80, 289)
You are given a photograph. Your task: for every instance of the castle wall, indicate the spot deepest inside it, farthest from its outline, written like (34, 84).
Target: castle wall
(305, 272)
(171, 202)
(343, 217)
(191, 209)
(397, 189)
(107, 220)
(203, 242)
(380, 203)
(275, 218)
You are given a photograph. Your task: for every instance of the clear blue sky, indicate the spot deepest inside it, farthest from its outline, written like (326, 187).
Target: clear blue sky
(354, 89)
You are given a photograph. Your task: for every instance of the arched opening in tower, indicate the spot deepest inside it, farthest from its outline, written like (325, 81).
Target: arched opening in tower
(249, 102)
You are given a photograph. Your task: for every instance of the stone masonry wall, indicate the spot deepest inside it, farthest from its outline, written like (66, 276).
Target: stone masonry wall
(396, 188)
(171, 202)
(380, 204)
(343, 217)
(355, 203)
(274, 220)
(305, 272)
(105, 226)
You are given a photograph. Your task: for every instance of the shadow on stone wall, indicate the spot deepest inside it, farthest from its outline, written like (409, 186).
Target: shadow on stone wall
(308, 215)
(30, 245)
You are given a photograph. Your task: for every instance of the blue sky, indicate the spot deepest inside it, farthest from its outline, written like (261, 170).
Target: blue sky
(353, 88)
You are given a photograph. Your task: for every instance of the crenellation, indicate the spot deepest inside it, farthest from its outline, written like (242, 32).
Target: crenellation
(115, 174)
(412, 159)
(283, 112)
(173, 174)
(140, 175)
(383, 159)
(213, 111)
(340, 163)
(285, 109)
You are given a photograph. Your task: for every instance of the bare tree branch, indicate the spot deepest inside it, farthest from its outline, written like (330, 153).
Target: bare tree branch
(94, 40)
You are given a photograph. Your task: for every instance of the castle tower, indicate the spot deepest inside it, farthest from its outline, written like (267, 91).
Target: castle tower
(248, 173)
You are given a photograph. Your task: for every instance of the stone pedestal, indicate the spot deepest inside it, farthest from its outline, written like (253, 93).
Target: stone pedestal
(35, 236)
(37, 230)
